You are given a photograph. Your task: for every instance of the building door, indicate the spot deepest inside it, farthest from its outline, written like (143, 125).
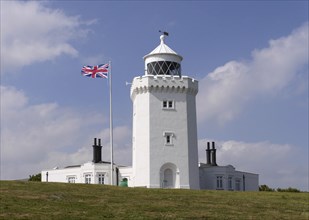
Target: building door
(168, 181)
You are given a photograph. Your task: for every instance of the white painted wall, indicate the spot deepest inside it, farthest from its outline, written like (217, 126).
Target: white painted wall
(93, 169)
(140, 140)
(208, 178)
(151, 121)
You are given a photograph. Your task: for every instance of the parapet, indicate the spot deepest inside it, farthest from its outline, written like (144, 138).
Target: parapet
(163, 83)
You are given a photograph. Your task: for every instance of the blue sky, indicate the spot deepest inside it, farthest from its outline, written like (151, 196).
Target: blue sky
(251, 60)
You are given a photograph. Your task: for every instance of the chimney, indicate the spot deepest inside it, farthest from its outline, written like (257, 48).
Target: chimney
(213, 155)
(97, 151)
(208, 153)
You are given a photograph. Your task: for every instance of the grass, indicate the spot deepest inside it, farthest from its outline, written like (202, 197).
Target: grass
(36, 200)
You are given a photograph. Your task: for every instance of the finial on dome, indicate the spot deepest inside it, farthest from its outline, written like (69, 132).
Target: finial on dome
(162, 37)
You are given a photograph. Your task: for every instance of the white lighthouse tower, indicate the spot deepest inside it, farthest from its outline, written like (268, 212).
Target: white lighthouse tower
(164, 123)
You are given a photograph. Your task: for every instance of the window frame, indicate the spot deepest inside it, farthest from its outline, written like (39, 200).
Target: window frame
(237, 184)
(219, 182)
(164, 104)
(71, 179)
(164, 68)
(168, 138)
(87, 178)
(230, 183)
(168, 104)
(101, 178)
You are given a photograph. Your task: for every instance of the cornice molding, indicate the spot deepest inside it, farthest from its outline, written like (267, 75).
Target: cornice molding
(162, 89)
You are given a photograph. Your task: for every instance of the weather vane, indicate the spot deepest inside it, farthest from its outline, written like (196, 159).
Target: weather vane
(164, 32)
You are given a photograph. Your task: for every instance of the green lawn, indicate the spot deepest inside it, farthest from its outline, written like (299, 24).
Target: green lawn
(36, 200)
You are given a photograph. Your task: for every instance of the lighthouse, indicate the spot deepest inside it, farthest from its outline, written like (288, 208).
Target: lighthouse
(164, 139)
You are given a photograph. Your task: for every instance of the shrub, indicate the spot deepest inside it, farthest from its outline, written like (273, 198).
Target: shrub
(290, 189)
(265, 188)
(36, 177)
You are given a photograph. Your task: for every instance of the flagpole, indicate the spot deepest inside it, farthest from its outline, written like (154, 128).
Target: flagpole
(111, 123)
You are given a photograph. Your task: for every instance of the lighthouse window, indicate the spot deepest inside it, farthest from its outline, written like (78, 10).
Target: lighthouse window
(164, 104)
(168, 104)
(168, 139)
(164, 68)
(168, 136)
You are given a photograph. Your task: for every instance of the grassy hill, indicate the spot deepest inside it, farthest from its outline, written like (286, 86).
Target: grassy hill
(36, 200)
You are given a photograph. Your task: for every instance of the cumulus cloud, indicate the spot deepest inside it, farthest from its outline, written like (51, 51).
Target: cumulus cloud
(41, 136)
(33, 33)
(121, 145)
(225, 91)
(278, 165)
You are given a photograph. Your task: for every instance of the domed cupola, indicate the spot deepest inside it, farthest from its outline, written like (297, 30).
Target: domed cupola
(163, 60)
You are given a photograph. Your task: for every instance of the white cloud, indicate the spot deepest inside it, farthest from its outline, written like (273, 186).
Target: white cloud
(278, 165)
(32, 134)
(225, 92)
(33, 33)
(121, 145)
(37, 137)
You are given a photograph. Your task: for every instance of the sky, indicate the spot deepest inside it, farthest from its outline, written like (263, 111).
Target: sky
(250, 58)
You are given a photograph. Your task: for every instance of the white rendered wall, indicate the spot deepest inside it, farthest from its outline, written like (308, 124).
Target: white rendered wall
(140, 141)
(251, 181)
(208, 178)
(192, 143)
(150, 122)
(62, 175)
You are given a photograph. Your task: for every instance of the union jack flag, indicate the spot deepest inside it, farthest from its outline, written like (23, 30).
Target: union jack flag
(99, 71)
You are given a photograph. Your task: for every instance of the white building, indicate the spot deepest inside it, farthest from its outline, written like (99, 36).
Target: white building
(164, 140)
(227, 177)
(95, 172)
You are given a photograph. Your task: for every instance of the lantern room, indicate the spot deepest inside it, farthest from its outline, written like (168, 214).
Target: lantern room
(163, 60)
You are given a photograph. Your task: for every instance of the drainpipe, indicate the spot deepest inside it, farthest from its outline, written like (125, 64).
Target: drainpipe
(117, 176)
